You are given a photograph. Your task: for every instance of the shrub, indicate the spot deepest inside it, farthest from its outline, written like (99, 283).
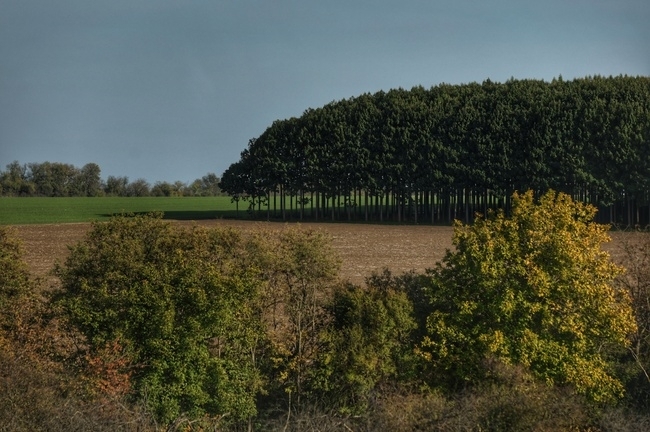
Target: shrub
(369, 344)
(175, 306)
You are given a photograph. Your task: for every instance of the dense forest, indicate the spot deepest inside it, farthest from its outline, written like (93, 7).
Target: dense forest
(447, 152)
(56, 179)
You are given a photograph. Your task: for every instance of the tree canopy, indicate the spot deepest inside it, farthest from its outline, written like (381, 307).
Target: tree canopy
(175, 307)
(449, 151)
(203, 321)
(533, 289)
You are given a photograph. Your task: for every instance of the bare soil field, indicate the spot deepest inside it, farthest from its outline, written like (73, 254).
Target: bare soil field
(363, 249)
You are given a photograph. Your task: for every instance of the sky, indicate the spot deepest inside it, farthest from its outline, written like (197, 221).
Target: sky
(169, 90)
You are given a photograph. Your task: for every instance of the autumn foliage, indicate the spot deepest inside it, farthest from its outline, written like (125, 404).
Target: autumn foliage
(526, 325)
(533, 289)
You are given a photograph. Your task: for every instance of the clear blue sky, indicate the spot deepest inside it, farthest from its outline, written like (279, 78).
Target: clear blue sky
(171, 90)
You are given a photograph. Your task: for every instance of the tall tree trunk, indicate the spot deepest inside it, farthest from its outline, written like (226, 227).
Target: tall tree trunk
(282, 203)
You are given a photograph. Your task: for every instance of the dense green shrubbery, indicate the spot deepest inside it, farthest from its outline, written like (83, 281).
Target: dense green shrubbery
(176, 306)
(194, 328)
(206, 321)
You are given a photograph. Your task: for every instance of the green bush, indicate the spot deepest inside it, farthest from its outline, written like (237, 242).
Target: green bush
(368, 344)
(198, 323)
(177, 307)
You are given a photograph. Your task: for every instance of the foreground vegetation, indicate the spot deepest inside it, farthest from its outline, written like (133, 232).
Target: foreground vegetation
(526, 325)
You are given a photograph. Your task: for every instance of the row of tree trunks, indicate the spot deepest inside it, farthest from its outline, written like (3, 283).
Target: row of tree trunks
(433, 206)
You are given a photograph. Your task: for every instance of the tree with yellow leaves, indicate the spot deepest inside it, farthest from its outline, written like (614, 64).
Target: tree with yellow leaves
(533, 288)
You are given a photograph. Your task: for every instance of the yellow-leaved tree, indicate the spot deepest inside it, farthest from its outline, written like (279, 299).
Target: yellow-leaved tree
(533, 288)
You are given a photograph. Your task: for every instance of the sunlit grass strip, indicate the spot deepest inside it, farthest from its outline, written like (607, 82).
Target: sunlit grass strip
(15, 211)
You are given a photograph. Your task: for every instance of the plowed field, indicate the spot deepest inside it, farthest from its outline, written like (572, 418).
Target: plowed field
(362, 248)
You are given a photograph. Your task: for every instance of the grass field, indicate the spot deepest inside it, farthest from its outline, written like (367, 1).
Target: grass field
(15, 211)
(46, 210)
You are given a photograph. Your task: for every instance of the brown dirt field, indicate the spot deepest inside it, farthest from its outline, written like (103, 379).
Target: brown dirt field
(363, 249)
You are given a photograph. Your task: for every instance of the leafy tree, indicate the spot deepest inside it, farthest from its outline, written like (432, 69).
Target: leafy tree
(208, 185)
(116, 186)
(177, 188)
(171, 302)
(15, 181)
(138, 188)
(301, 271)
(37, 389)
(92, 179)
(234, 181)
(161, 189)
(88, 181)
(54, 179)
(533, 289)
(369, 343)
(62, 176)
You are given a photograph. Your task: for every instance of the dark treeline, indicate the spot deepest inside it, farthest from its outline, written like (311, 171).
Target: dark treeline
(55, 179)
(447, 152)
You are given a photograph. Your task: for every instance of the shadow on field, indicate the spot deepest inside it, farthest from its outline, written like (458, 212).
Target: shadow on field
(191, 215)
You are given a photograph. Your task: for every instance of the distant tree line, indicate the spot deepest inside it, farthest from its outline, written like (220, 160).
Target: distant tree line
(447, 152)
(54, 179)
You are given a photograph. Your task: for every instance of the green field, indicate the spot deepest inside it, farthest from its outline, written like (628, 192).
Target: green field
(15, 211)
